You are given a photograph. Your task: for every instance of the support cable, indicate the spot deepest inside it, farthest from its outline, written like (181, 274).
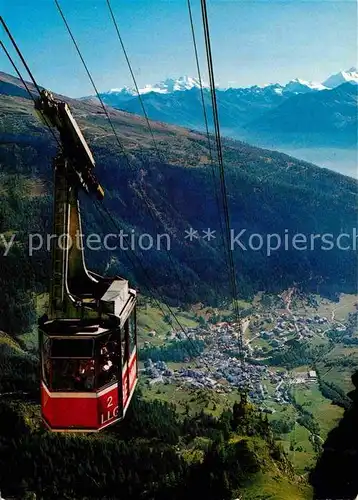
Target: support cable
(151, 286)
(221, 165)
(92, 82)
(106, 112)
(134, 79)
(30, 93)
(104, 208)
(20, 54)
(160, 156)
(103, 106)
(207, 128)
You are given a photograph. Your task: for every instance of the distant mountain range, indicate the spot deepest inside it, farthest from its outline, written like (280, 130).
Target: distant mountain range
(317, 118)
(300, 113)
(183, 83)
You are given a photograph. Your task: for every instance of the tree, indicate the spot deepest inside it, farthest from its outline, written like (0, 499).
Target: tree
(201, 321)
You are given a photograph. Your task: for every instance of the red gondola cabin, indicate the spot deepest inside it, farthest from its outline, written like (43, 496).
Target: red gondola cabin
(89, 342)
(89, 368)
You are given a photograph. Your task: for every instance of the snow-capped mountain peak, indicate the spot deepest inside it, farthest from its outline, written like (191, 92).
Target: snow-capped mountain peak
(349, 75)
(122, 90)
(184, 83)
(117, 96)
(164, 87)
(302, 86)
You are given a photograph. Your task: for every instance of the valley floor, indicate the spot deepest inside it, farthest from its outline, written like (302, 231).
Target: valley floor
(343, 161)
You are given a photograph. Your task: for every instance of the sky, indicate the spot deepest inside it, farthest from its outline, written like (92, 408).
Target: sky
(253, 41)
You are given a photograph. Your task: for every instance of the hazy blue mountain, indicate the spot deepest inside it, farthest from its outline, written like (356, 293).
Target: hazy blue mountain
(321, 118)
(184, 107)
(299, 114)
(350, 75)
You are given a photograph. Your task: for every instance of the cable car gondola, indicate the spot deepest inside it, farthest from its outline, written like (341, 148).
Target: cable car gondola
(88, 342)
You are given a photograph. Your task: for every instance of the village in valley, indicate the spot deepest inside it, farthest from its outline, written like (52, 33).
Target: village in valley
(268, 332)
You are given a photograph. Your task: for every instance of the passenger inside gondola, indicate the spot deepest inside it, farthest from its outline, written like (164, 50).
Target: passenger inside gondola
(108, 363)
